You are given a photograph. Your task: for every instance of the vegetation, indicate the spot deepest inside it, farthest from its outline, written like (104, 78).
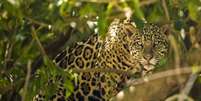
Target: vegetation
(32, 32)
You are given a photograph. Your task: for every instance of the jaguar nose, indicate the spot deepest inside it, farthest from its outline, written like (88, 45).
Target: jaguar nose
(148, 56)
(148, 50)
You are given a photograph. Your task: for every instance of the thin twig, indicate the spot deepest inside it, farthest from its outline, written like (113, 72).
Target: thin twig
(147, 2)
(175, 98)
(189, 84)
(174, 45)
(142, 3)
(177, 62)
(166, 10)
(34, 35)
(27, 80)
(8, 54)
(104, 1)
(103, 70)
(37, 22)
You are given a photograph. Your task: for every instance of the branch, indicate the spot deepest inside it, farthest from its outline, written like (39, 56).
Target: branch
(34, 35)
(189, 84)
(147, 2)
(155, 87)
(168, 73)
(172, 72)
(52, 48)
(142, 3)
(174, 45)
(166, 10)
(103, 70)
(26, 81)
(37, 22)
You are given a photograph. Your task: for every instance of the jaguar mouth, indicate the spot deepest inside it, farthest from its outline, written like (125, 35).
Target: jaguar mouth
(148, 65)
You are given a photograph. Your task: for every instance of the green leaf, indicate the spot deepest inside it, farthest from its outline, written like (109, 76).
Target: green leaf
(195, 69)
(102, 25)
(137, 10)
(155, 13)
(193, 9)
(162, 63)
(87, 10)
(69, 86)
(65, 9)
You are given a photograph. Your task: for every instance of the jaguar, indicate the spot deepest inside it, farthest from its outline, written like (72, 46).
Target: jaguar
(125, 48)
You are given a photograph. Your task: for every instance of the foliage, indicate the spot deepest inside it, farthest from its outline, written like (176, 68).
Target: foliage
(50, 19)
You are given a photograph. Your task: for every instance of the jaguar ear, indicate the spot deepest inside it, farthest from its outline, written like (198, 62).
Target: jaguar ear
(130, 29)
(165, 29)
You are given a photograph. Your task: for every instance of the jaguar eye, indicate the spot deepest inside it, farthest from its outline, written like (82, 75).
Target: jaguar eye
(141, 46)
(128, 32)
(163, 52)
(139, 43)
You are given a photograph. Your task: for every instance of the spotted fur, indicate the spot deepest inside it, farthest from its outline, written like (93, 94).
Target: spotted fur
(125, 48)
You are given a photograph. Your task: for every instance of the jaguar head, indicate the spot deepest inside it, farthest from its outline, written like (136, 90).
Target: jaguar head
(149, 46)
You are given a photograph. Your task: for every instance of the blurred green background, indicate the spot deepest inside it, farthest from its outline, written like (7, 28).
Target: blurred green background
(32, 32)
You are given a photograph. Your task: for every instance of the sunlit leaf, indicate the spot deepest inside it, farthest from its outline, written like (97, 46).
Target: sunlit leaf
(102, 25)
(69, 87)
(137, 10)
(193, 7)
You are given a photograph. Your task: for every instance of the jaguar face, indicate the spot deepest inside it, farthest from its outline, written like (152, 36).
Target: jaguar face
(149, 46)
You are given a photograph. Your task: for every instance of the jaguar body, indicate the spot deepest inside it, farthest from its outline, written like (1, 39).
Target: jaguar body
(125, 48)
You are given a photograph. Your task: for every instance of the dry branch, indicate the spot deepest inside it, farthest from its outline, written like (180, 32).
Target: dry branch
(155, 87)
